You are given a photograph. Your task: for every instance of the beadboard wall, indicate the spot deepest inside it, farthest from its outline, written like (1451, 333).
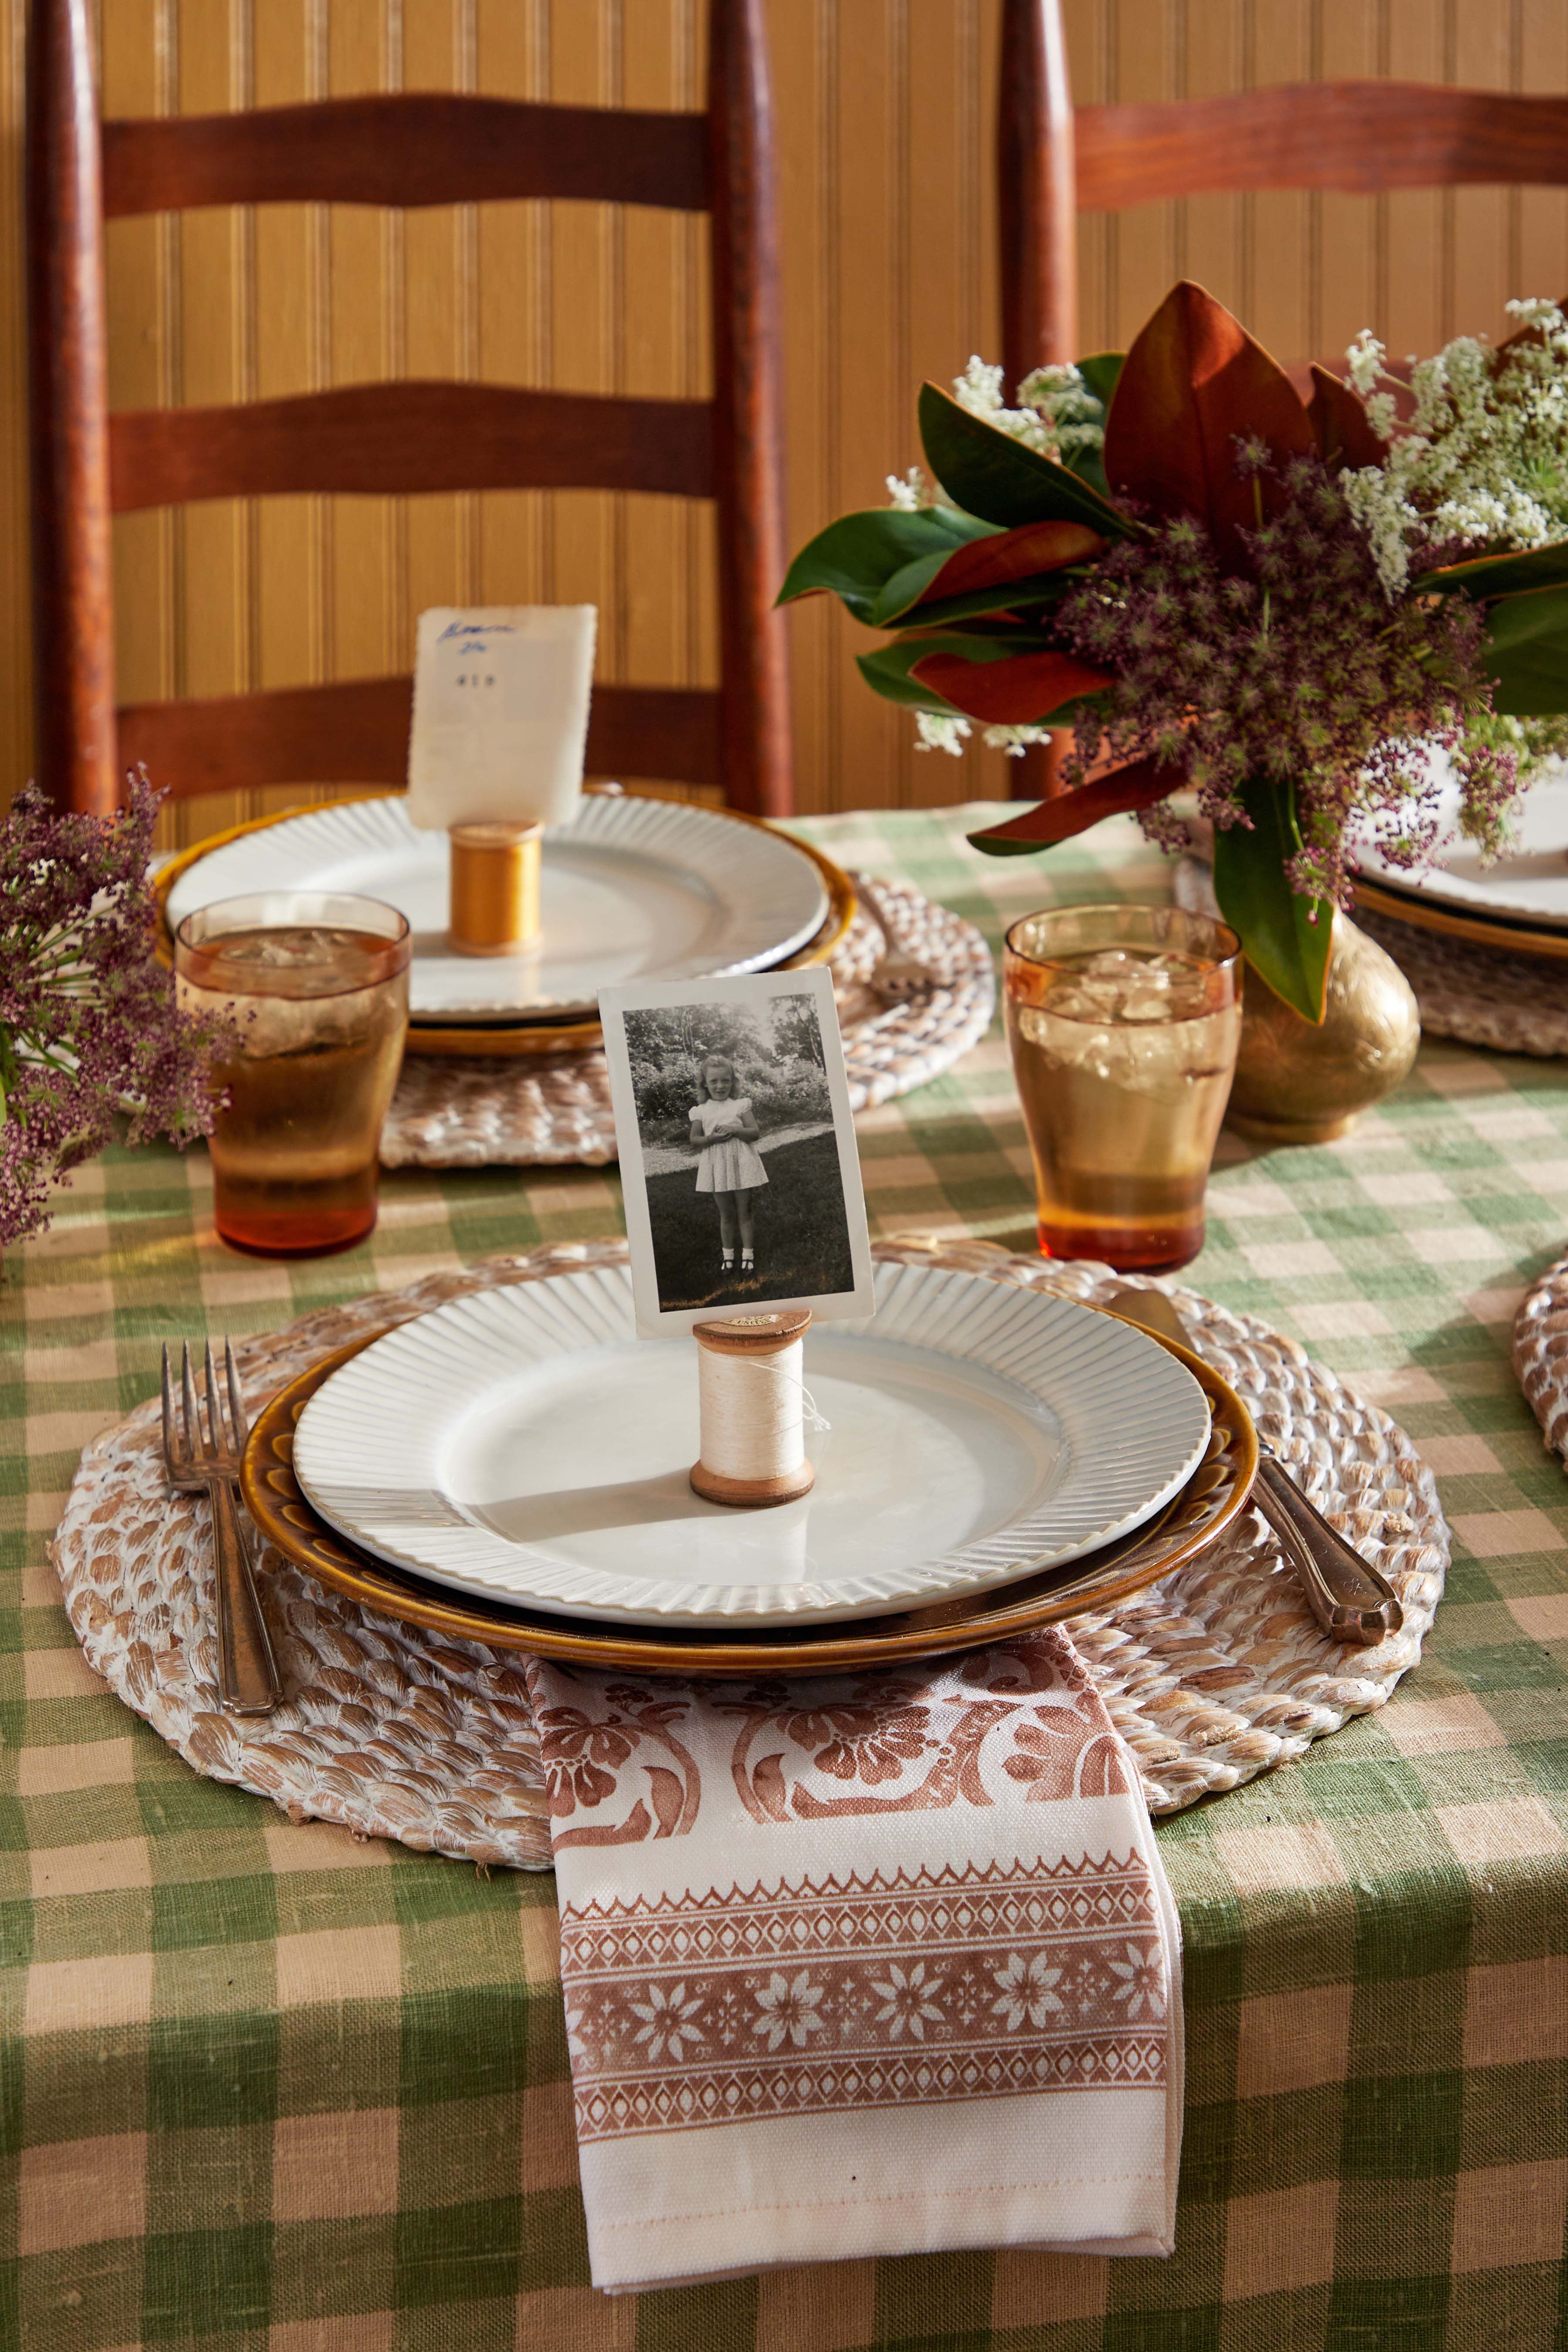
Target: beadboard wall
(884, 153)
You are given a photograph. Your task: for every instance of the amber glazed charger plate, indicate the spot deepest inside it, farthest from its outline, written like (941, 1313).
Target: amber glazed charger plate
(1521, 903)
(633, 888)
(1212, 1498)
(523, 1444)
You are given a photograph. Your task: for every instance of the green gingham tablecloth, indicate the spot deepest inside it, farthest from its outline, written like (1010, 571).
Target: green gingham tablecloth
(268, 2088)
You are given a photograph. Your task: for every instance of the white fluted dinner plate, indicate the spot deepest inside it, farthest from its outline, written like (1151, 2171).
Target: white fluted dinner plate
(523, 1445)
(632, 888)
(1529, 886)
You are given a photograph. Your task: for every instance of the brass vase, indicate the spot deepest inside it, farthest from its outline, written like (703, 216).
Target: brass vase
(1299, 1083)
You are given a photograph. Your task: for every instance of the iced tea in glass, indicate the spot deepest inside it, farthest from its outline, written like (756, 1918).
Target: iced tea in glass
(1123, 1022)
(317, 985)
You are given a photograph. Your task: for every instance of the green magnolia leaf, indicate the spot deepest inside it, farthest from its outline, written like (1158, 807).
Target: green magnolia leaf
(855, 557)
(1284, 946)
(1100, 371)
(890, 669)
(991, 474)
(1485, 576)
(998, 561)
(906, 587)
(1527, 653)
(1018, 596)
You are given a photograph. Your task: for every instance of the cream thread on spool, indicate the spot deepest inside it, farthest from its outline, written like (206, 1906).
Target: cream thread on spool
(752, 1399)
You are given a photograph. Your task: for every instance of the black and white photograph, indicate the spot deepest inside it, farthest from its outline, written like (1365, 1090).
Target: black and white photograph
(737, 1147)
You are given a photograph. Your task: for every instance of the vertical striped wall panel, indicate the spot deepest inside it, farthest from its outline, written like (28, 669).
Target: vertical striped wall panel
(885, 148)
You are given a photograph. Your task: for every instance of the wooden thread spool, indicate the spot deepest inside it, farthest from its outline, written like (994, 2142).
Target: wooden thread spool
(495, 888)
(752, 1396)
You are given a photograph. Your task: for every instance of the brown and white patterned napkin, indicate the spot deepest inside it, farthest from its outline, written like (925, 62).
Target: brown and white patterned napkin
(861, 1966)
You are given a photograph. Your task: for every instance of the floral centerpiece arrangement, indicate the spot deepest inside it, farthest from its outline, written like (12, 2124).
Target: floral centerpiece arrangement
(1217, 585)
(89, 1030)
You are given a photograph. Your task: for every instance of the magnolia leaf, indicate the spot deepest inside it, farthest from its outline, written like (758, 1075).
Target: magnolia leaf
(855, 557)
(990, 474)
(991, 606)
(1527, 653)
(1193, 383)
(1283, 943)
(1341, 426)
(997, 562)
(1024, 690)
(890, 669)
(1137, 786)
(1485, 576)
(1099, 372)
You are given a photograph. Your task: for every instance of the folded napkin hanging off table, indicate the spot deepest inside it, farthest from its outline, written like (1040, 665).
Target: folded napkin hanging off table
(861, 1966)
(1214, 1674)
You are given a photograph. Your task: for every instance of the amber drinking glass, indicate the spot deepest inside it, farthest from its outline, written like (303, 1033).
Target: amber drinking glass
(317, 984)
(1123, 1022)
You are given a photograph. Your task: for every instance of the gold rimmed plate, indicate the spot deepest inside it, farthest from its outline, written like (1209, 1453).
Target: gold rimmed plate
(1497, 932)
(1213, 1497)
(757, 931)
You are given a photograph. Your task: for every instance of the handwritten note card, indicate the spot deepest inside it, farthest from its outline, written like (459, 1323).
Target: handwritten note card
(501, 713)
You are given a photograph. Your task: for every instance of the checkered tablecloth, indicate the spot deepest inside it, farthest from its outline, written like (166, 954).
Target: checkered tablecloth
(266, 2088)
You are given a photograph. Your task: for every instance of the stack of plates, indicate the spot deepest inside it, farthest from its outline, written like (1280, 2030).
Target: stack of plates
(633, 888)
(1519, 905)
(513, 1467)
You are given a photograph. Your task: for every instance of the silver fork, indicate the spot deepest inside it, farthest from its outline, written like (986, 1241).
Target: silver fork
(896, 977)
(208, 1461)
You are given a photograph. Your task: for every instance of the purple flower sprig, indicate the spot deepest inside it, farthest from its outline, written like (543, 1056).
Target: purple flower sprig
(1301, 673)
(89, 1028)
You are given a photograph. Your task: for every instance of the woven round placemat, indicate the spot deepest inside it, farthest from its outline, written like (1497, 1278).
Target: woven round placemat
(1214, 1674)
(1480, 996)
(556, 1107)
(1541, 1354)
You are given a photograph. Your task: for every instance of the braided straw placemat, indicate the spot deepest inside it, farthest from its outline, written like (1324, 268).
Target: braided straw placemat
(1506, 1002)
(1214, 1674)
(556, 1107)
(1541, 1354)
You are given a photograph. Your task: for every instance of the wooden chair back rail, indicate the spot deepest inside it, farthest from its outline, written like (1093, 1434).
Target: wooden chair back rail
(409, 436)
(355, 732)
(1360, 138)
(407, 148)
(403, 149)
(1055, 159)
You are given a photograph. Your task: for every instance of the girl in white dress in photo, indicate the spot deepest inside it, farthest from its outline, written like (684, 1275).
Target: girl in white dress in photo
(724, 1128)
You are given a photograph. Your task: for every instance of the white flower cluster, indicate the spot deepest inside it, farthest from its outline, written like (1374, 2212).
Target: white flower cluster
(940, 730)
(1074, 416)
(1484, 460)
(1059, 416)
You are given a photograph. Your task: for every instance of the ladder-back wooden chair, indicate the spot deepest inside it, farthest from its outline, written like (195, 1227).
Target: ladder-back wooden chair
(1359, 138)
(406, 148)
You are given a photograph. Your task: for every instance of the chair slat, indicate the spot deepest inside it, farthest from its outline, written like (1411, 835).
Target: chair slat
(356, 732)
(409, 436)
(406, 147)
(1358, 137)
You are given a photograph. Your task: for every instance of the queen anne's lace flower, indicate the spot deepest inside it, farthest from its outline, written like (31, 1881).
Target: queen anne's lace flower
(1483, 460)
(936, 730)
